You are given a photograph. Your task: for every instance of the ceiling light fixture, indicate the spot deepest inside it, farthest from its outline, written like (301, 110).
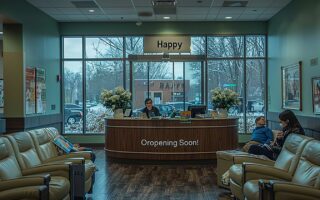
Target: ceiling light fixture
(91, 10)
(228, 17)
(1, 32)
(166, 17)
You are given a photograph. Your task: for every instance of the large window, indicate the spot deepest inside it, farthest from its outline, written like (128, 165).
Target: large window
(91, 64)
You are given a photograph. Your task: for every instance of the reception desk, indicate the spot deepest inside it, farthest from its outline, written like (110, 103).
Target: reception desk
(169, 139)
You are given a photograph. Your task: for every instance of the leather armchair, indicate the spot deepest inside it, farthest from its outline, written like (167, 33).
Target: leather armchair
(304, 184)
(30, 163)
(48, 153)
(36, 187)
(11, 175)
(283, 168)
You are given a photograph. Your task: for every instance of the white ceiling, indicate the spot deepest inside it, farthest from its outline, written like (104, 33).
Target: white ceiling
(187, 10)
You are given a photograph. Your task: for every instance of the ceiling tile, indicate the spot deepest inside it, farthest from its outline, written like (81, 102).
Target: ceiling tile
(190, 11)
(194, 3)
(259, 3)
(238, 10)
(187, 10)
(69, 11)
(249, 17)
(51, 11)
(114, 3)
(253, 10)
(119, 11)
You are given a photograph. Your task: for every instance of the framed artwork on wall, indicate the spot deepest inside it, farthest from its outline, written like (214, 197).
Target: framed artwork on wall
(291, 86)
(1, 94)
(30, 90)
(316, 95)
(40, 90)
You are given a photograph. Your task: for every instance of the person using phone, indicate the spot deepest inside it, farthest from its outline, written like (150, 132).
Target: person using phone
(290, 124)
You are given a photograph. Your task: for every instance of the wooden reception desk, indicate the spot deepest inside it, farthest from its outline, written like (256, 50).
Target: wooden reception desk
(169, 139)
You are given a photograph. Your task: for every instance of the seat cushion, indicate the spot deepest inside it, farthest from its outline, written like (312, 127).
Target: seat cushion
(236, 173)
(251, 190)
(59, 187)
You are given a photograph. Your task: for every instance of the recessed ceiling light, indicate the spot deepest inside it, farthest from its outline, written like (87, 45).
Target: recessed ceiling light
(91, 10)
(228, 17)
(166, 17)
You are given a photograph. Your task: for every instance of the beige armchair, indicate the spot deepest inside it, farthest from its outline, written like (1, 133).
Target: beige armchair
(59, 187)
(48, 153)
(304, 184)
(25, 188)
(283, 168)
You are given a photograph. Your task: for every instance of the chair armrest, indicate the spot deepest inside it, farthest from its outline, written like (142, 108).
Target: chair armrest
(29, 192)
(67, 160)
(252, 171)
(85, 154)
(239, 159)
(25, 181)
(53, 169)
(279, 189)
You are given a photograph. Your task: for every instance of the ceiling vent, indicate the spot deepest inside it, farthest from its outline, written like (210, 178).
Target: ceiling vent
(84, 4)
(235, 3)
(164, 7)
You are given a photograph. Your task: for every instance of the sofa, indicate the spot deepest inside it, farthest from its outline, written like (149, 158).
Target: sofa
(24, 156)
(283, 168)
(304, 183)
(13, 178)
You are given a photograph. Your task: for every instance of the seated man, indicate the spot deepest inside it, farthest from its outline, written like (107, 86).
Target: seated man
(150, 110)
(260, 135)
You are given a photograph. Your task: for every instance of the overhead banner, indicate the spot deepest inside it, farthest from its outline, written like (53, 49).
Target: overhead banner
(166, 44)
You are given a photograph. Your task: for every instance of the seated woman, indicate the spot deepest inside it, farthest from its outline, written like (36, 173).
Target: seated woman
(260, 135)
(289, 124)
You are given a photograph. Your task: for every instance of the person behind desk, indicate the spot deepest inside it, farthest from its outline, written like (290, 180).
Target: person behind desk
(150, 110)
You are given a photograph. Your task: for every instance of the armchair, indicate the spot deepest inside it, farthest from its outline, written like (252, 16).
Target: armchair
(283, 168)
(304, 184)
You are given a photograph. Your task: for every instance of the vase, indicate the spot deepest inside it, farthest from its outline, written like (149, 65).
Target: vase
(118, 113)
(222, 113)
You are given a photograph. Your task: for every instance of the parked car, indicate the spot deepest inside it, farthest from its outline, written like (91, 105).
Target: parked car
(72, 116)
(72, 106)
(257, 106)
(180, 105)
(165, 109)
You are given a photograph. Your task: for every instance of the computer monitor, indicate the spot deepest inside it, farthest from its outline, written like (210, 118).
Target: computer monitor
(197, 109)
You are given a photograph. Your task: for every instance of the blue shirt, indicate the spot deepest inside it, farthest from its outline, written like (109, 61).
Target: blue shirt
(262, 134)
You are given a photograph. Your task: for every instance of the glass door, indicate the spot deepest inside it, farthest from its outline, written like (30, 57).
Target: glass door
(172, 85)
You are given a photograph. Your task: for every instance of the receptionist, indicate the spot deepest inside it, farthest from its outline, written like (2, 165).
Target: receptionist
(150, 110)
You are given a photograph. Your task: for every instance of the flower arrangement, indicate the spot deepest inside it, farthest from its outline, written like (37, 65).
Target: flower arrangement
(224, 98)
(115, 99)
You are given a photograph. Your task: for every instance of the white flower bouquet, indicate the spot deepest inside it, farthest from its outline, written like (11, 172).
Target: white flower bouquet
(224, 98)
(115, 99)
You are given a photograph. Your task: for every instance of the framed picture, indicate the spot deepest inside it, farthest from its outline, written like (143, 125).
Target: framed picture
(291, 86)
(30, 90)
(1, 94)
(40, 90)
(316, 95)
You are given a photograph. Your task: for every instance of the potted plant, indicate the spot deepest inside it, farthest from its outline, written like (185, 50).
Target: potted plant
(223, 100)
(117, 99)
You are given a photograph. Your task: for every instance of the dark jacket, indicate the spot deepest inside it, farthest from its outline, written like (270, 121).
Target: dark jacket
(151, 113)
(277, 146)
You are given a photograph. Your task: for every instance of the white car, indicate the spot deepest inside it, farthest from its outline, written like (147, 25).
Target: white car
(258, 106)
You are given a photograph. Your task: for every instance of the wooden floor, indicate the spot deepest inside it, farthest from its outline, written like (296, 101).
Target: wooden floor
(147, 181)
